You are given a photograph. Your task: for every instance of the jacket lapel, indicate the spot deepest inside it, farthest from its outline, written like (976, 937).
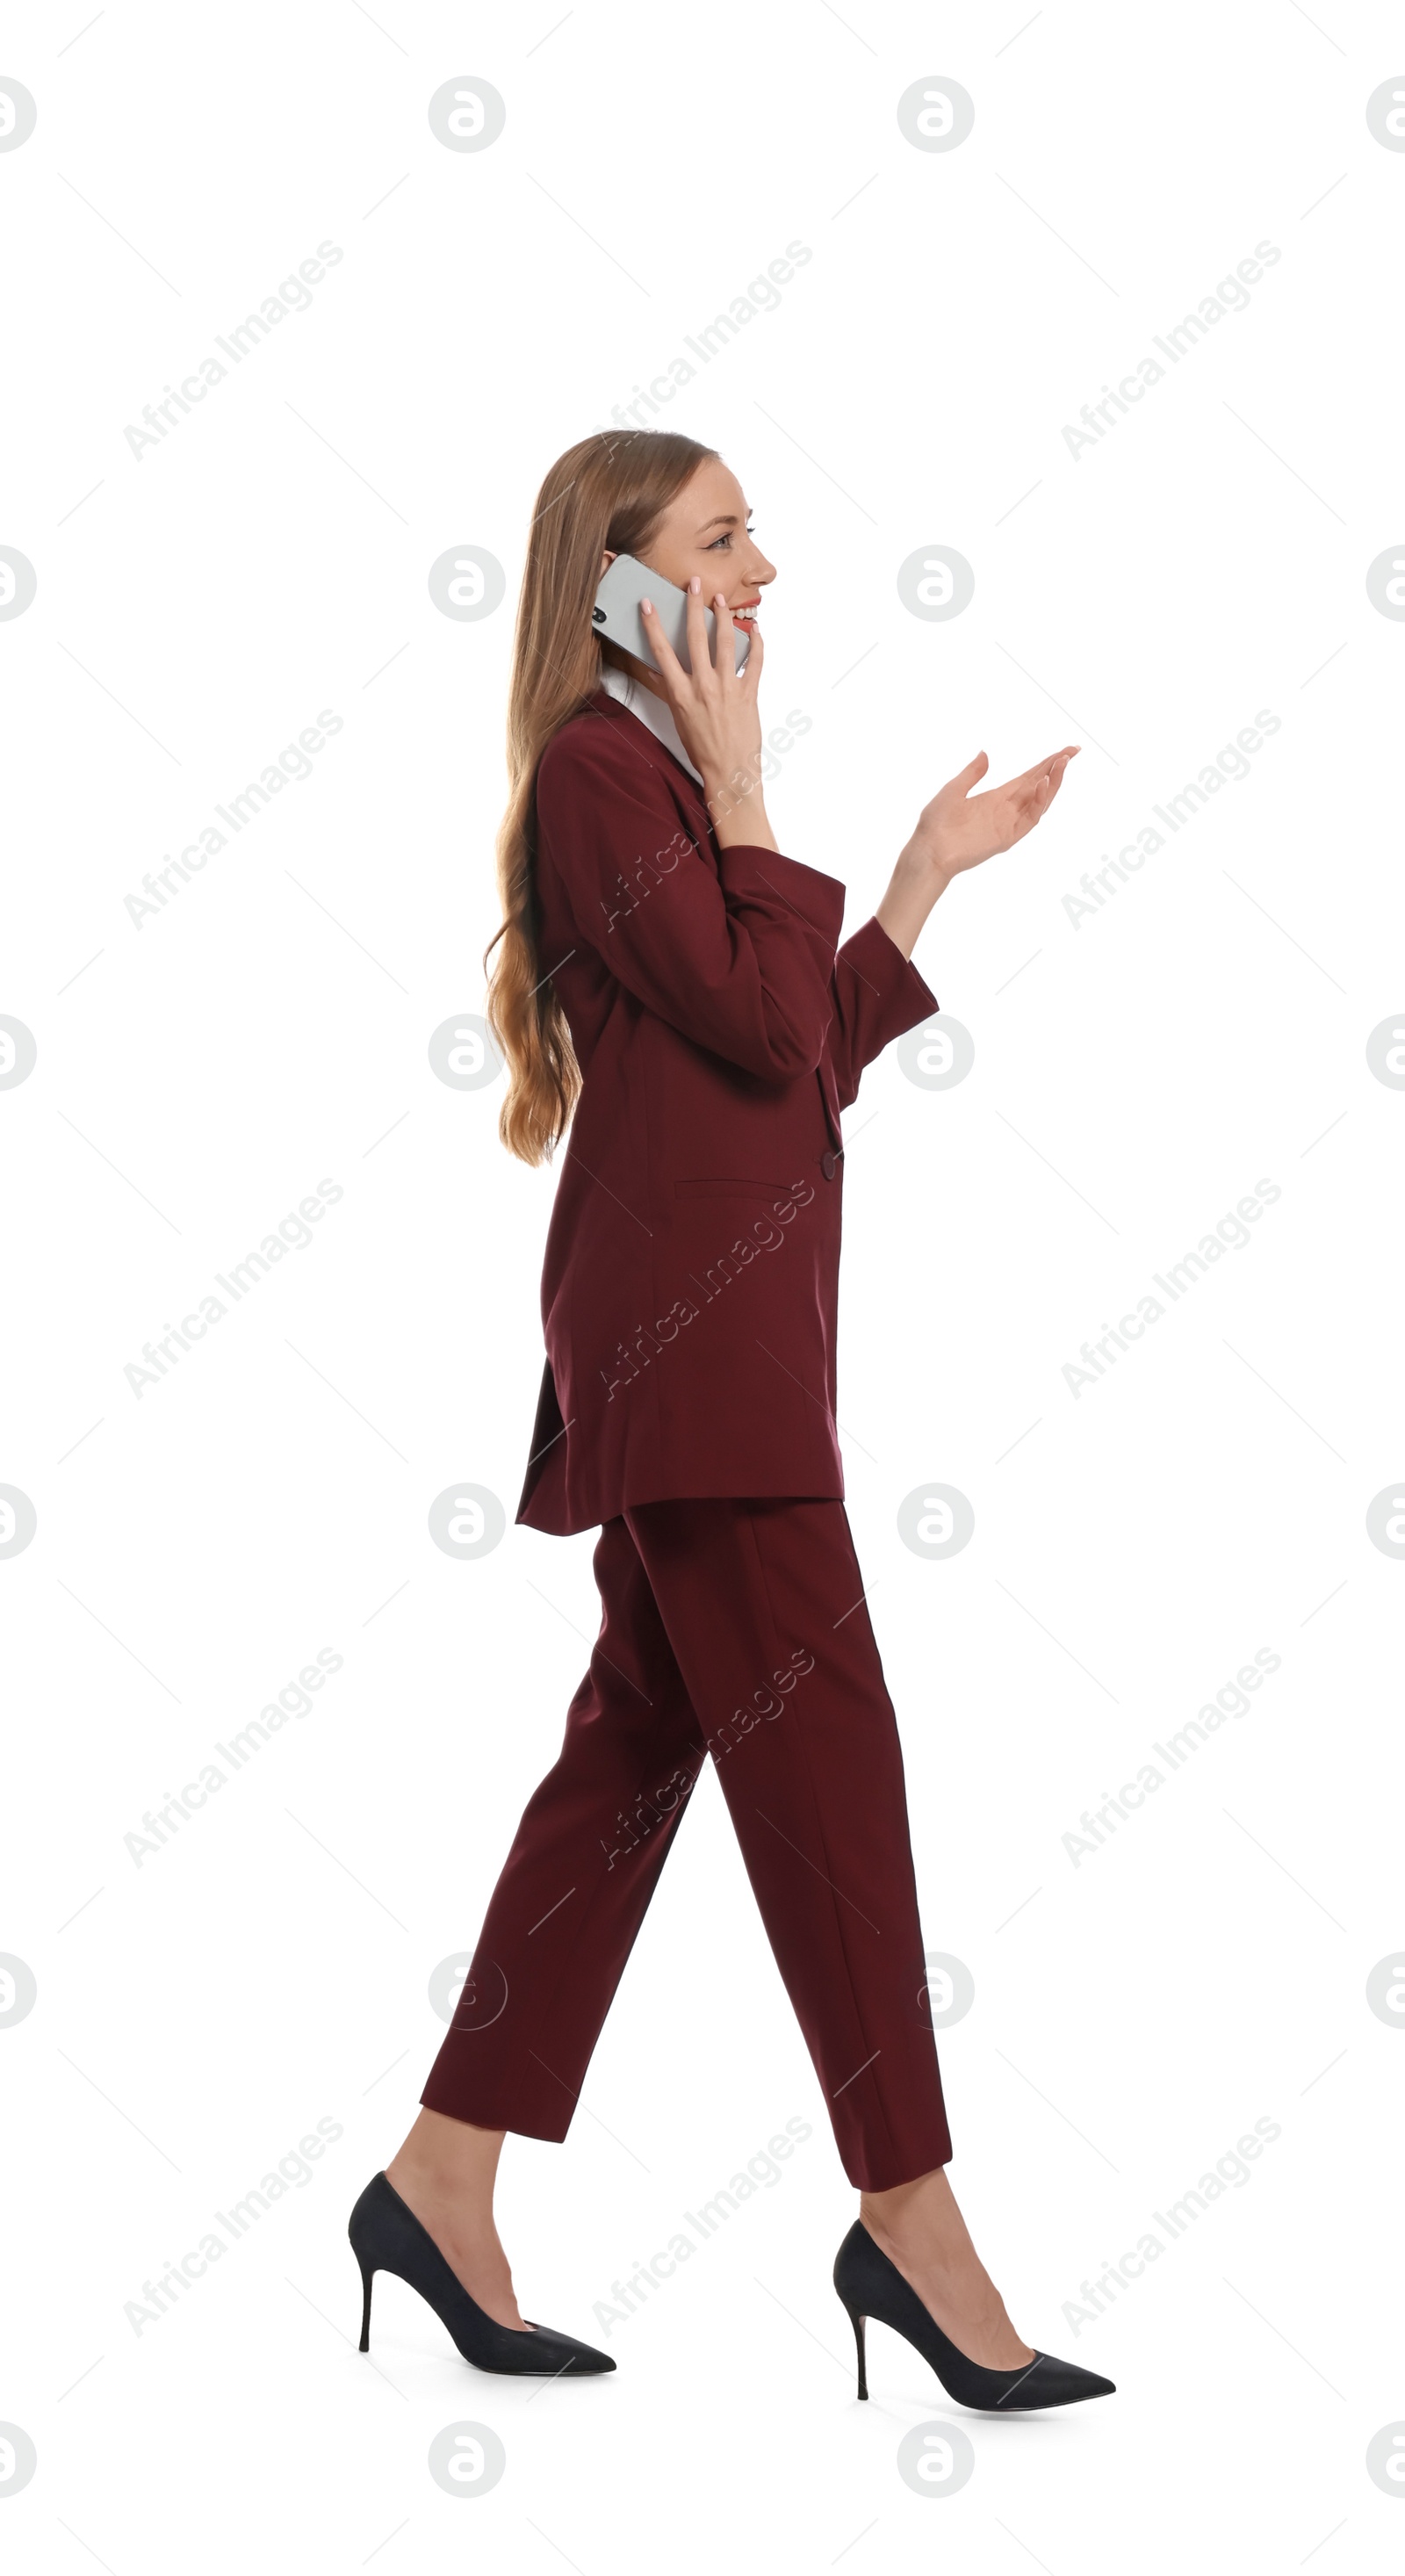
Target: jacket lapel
(692, 793)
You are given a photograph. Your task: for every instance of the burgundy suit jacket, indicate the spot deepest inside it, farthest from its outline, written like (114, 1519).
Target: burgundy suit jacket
(690, 1286)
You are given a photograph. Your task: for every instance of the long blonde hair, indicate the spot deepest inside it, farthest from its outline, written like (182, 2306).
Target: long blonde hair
(607, 493)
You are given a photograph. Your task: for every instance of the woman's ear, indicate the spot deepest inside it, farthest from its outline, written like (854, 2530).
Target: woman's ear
(605, 562)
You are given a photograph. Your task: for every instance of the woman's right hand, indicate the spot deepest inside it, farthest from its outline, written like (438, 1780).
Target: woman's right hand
(719, 722)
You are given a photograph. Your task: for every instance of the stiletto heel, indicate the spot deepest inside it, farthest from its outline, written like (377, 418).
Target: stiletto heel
(858, 2323)
(872, 2286)
(386, 2236)
(367, 2277)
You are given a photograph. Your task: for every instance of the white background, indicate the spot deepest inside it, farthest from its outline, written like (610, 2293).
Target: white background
(1134, 1076)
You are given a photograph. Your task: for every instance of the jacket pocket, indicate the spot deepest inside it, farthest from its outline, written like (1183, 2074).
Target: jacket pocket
(724, 1189)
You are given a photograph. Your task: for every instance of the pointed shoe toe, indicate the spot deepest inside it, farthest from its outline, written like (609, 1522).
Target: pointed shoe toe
(870, 2285)
(1047, 2381)
(565, 2356)
(386, 2236)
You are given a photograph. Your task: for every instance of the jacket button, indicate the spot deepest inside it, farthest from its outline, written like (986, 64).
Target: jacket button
(829, 1163)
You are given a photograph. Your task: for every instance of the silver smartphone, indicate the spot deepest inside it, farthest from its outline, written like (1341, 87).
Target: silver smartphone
(626, 581)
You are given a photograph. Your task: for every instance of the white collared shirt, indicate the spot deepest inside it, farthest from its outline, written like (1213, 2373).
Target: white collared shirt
(654, 712)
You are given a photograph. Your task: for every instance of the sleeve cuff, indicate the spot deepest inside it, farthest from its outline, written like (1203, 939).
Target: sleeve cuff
(906, 998)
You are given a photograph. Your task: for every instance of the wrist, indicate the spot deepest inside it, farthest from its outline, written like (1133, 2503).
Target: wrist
(917, 881)
(738, 809)
(921, 870)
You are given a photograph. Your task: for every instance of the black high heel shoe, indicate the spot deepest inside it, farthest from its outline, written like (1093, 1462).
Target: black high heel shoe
(871, 2286)
(386, 2236)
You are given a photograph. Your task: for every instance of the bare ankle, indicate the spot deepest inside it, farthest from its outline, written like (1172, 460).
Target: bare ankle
(452, 2158)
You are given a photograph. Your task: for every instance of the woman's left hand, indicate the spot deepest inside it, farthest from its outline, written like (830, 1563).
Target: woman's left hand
(957, 829)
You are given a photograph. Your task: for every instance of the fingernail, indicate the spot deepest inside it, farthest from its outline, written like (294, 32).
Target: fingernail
(694, 582)
(648, 607)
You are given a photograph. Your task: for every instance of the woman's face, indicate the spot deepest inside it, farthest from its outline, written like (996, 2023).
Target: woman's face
(704, 531)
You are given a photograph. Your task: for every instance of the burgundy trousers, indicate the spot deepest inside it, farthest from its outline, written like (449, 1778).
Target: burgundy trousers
(735, 1630)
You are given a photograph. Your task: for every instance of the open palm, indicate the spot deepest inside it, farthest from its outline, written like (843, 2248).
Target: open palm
(958, 829)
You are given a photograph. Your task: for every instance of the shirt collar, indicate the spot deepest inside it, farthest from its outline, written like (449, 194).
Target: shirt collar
(654, 712)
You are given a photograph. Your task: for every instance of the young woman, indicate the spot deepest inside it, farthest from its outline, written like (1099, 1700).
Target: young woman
(671, 985)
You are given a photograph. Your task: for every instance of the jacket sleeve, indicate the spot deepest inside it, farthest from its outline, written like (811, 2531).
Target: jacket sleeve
(736, 954)
(878, 994)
